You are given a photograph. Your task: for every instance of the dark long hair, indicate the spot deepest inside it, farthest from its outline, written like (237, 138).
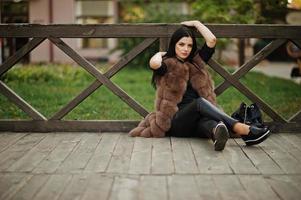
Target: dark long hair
(183, 31)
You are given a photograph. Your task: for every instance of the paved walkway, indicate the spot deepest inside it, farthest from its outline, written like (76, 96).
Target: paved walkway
(115, 166)
(277, 69)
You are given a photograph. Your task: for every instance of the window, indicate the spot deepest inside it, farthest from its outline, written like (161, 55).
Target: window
(94, 12)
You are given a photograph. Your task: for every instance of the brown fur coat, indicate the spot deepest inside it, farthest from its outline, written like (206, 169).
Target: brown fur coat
(170, 90)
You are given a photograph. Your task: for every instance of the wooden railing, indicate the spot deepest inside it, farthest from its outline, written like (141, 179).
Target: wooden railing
(151, 32)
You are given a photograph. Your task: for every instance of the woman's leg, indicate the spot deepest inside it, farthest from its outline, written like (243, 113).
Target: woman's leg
(205, 128)
(207, 109)
(217, 131)
(185, 121)
(250, 134)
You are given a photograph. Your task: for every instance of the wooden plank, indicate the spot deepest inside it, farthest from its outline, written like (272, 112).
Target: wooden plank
(8, 139)
(164, 44)
(246, 67)
(162, 161)
(99, 162)
(31, 187)
(121, 157)
(257, 187)
(297, 42)
(182, 187)
(76, 187)
(20, 102)
(246, 91)
(17, 150)
(125, 188)
(293, 139)
(207, 187)
(230, 187)
(99, 186)
(146, 30)
(102, 78)
(78, 159)
(132, 54)
(68, 125)
(35, 155)
(260, 159)
(238, 160)
(288, 127)
(153, 188)
(104, 126)
(241, 51)
(76, 101)
(183, 157)
(284, 186)
(296, 117)
(11, 183)
(54, 186)
(286, 161)
(141, 156)
(18, 55)
(286, 146)
(296, 180)
(137, 50)
(59, 154)
(208, 160)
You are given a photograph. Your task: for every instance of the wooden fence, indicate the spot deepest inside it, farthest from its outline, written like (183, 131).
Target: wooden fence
(279, 34)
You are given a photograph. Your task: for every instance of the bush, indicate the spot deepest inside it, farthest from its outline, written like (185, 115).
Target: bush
(45, 74)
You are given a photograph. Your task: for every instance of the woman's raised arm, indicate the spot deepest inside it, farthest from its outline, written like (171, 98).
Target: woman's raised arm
(205, 32)
(156, 61)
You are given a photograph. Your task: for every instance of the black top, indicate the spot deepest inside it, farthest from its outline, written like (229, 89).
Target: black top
(190, 94)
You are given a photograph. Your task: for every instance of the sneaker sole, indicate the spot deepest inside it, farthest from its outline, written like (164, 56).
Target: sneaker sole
(258, 140)
(221, 137)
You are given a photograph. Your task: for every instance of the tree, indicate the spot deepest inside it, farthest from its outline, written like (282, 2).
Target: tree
(225, 12)
(147, 12)
(207, 11)
(220, 11)
(240, 11)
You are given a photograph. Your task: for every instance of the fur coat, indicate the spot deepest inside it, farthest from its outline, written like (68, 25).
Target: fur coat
(170, 90)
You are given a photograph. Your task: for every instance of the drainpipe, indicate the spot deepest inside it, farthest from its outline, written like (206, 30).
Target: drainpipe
(50, 2)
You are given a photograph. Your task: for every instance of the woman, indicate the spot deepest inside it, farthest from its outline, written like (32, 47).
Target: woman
(185, 100)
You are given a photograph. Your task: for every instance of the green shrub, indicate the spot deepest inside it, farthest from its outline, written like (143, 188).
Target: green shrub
(45, 74)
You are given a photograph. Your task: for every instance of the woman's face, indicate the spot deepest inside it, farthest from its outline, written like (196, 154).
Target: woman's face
(184, 47)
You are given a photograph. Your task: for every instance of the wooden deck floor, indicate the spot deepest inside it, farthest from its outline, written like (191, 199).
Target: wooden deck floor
(115, 166)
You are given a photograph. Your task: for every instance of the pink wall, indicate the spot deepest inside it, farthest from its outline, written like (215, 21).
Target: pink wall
(38, 14)
(62, 13)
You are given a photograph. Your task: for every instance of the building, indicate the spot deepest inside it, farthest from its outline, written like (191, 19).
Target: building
(59, 12)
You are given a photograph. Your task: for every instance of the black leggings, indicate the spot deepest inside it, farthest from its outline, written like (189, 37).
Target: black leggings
(197, 119)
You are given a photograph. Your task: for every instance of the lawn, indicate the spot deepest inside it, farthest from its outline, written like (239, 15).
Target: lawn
(49, 88)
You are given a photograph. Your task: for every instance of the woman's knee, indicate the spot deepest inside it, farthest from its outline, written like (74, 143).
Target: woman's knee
(205, 127)
(203, 103)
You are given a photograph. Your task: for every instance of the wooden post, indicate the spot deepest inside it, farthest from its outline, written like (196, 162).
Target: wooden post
(164, 44)
(241, 51)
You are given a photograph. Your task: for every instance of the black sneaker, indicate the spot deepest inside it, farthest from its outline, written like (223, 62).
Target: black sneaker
(220, 136)
(256, 135)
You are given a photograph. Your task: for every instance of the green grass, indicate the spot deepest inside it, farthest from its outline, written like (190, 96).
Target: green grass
(50, 88)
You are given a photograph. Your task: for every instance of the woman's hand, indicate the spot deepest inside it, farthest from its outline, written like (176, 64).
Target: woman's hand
(156, 61)
(206, 33)
(194, 23)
